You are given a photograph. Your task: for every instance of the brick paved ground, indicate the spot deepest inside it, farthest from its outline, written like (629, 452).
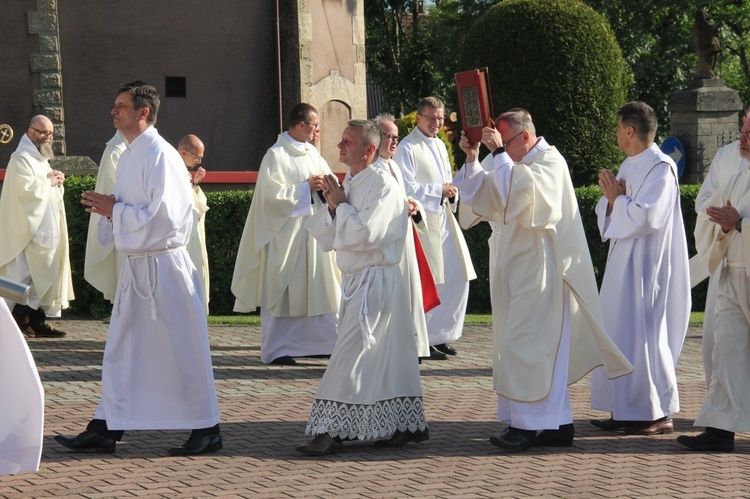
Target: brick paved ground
(264, 410)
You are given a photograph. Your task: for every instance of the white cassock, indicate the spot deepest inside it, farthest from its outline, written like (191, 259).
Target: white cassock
(425, 166)
(410, 267)
(102, 264)
(646, 288)
(371, 387)
(280, 267)
(22, 414)
(547, 321)
(727, 403)
(156, 372)
(725, 164)
(196, 246)
(34, 249)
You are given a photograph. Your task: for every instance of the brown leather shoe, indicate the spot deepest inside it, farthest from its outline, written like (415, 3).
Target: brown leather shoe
(47, 331)
(609, 424)
(663, 425)
(321, 445)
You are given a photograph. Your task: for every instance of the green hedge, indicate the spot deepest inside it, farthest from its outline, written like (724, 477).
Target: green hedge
(226, 219)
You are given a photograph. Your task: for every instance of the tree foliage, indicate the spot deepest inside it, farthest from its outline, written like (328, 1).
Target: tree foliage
(559, 60)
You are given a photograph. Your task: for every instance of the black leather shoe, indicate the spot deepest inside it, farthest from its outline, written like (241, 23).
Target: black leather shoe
(708, 441)
(284, 361)
(514, 439)
(401, 438)
(436, 354)
(609, 424)
(195, 446)
(446, 349)
(321, 445)
(88, 441)
(562, 437)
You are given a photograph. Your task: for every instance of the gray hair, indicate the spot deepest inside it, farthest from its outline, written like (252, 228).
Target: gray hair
(519, 120)
(384, 117)
(371, 132)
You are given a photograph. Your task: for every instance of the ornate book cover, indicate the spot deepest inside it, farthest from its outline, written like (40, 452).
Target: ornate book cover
(475, 100)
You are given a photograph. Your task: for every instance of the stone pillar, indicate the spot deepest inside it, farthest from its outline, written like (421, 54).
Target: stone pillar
(48, 98)
(704, 118)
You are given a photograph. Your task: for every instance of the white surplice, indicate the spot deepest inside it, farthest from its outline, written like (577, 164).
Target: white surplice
(547, 320)
(426, 168)
(727, 403)
(279, 266)
(156, 372)
(22, 396)
(102, 264)
(725, 164)
(34, 248)
(371, 387)
(646, 288)
(410, 267)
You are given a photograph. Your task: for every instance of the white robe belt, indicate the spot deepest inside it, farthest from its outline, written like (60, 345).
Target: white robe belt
(366, 274)
(150, 282)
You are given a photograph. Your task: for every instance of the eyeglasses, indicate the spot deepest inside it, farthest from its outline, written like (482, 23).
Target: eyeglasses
(197, 158)
(511, 140)
(436, 119)
(316, 125)
(743, 135)
(42, 132)
(388, 136)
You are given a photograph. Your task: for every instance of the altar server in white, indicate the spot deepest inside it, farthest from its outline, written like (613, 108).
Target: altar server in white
(547, 321)
(34, 248)
(721, 232)
(280, 267)
(371, 388)
(191, 150)
(646, 282)
(409, 264)
(156, 372)
(727, 161)
(101, 264)
(22, 416)
(424, 162)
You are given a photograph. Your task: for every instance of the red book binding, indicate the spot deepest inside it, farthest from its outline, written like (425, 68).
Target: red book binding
(475, 100)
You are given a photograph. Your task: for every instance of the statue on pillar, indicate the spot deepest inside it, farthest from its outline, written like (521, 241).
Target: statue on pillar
(706, 43)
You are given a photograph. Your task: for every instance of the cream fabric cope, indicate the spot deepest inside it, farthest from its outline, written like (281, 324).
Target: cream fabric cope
(538, 248)
(156, 372)
(646, 288)
(32, 221)
(22, 415)
(102, 264)
(410, 268)
(196, 246)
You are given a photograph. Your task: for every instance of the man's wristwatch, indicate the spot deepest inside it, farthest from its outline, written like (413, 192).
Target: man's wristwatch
(497, 151)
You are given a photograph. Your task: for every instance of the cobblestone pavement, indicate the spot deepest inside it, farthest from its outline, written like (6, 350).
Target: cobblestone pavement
(264, 410)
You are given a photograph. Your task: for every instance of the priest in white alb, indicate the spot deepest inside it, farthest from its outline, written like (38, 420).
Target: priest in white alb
(371, 388)
(280, 267)
(34, 231)
(546, 318)
(646, 282)
(157, 372)
(102, 264)
(722, 234)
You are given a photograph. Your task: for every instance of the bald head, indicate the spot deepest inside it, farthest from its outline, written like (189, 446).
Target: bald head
(41, 132)
(191, 149)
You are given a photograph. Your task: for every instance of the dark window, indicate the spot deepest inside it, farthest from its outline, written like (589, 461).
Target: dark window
(175, 86)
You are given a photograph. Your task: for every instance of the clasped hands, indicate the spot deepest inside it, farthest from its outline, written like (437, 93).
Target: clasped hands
(726, 216)
(611, 187)
(56, 178)
(100, 204)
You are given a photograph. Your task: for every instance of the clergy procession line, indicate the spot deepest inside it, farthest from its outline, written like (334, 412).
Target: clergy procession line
(374, 272)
